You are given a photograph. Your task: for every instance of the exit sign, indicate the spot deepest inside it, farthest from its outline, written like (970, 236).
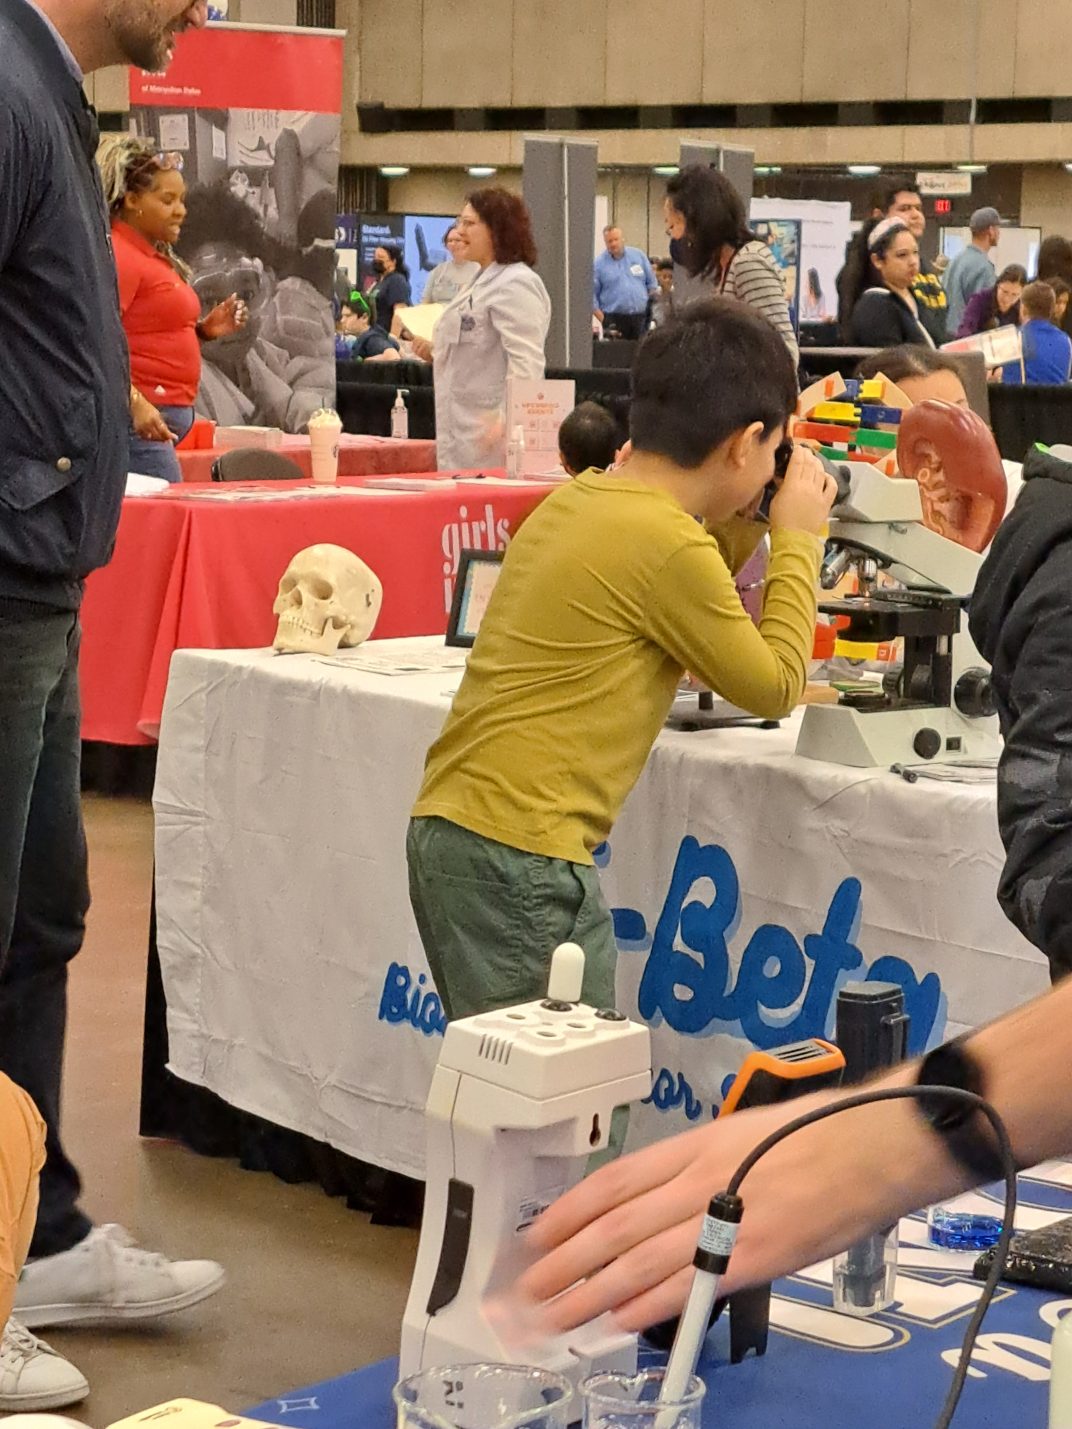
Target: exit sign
(943, 205)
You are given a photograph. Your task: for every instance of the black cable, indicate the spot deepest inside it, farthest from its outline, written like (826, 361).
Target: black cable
(1008, 1163)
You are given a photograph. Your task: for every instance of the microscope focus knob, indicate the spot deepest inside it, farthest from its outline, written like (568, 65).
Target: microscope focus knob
(893, 682)
(927, 743)
(973, 694)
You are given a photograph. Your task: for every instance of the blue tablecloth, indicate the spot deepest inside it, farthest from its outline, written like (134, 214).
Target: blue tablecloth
(813, 1376)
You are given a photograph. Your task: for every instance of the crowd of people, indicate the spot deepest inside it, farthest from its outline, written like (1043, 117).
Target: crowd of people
(889, 292)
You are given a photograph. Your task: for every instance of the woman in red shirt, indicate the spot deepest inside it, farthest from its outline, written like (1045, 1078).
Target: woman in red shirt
(160, 310)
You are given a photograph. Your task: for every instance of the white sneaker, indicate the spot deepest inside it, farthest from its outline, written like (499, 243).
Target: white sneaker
(33, 1376)
(107, 1280)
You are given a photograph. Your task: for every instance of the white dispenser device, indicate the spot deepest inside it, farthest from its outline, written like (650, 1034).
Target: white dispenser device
(520, 1100)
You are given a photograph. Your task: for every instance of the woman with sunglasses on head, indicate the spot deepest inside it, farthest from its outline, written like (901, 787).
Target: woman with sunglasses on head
(161, 312)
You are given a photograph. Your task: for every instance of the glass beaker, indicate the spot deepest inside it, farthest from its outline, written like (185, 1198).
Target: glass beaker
(631, 1401)
(483, 1396)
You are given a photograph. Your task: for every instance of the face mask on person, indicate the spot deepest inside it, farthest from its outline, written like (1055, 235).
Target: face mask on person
(379, 266)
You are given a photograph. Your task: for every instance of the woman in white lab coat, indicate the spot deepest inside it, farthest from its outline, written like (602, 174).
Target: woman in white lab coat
(495, 330)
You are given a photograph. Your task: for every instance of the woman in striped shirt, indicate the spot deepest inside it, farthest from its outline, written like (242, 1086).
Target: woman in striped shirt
(715, 251)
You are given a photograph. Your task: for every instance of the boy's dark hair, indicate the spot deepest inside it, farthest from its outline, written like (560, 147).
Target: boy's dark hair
(589, 438)
(706, 374)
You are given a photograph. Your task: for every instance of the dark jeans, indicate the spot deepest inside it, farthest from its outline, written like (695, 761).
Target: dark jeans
(628, 325)
(44, 886)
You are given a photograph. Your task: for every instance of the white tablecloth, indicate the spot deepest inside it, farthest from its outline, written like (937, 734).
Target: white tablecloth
(747, 885)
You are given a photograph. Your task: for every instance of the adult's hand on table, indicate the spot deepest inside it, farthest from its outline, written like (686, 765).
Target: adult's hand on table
(423, 349)
(148, 423)
(623, 1240)
(805, 496)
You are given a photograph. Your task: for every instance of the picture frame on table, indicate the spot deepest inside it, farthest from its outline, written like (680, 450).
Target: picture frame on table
(478, 573)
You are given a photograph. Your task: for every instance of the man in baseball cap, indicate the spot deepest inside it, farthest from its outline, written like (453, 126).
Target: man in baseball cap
(971, 270)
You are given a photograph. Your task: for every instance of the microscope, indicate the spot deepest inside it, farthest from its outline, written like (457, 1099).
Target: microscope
(520, 1100)
(939, 703)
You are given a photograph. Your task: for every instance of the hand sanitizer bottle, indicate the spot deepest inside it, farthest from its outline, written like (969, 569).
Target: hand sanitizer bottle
(515, 454)
(400, 415)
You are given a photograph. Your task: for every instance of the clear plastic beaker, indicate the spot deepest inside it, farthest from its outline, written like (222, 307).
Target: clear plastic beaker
(483, 1396)
(631, 1401)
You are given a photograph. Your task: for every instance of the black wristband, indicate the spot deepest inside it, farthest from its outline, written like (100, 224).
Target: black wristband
(962, 1127)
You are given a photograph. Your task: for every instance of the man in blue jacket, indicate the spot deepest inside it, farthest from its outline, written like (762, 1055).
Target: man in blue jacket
(64, 413)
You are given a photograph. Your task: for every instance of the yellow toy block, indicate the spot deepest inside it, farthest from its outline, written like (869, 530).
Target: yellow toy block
(892, 396)
(820, 391)
(843, 412)
(872, 390)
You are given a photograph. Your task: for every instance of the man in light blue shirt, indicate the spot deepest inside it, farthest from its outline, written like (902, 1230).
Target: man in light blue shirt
(623, 284)
(971, 270)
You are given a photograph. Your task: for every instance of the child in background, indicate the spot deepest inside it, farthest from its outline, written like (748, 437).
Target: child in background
(1047, 350)
(608, 592)
(588, 440)
(357, 340)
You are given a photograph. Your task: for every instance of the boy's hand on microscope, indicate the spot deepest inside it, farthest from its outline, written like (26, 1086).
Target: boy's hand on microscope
(806, 495)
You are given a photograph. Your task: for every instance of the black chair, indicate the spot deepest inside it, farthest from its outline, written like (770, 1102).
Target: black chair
(365, 394)
(614, 352)
(255, 464)
(1021, 416)
(816, 362)
(404, 374)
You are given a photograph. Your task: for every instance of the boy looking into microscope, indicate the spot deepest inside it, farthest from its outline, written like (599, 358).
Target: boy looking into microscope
(610, 590)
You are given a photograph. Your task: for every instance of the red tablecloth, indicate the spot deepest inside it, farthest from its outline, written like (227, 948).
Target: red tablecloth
(194, 570)
(358, 456)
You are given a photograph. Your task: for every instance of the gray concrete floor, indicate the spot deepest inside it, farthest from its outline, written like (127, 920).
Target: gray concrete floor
(313, 1289)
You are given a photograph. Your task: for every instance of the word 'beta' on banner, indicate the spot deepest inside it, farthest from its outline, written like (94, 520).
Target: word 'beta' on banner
(252, 117)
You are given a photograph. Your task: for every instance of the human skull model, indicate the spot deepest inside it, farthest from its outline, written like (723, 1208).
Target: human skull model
(327, 598)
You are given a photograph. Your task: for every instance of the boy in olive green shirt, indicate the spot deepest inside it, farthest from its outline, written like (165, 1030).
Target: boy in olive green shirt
(608, 592)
